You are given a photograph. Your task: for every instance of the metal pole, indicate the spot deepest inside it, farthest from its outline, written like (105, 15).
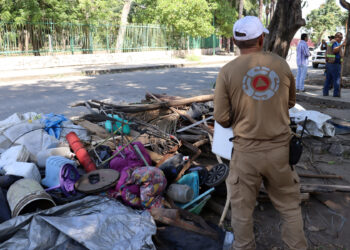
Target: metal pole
(107, 38)
(214, 35)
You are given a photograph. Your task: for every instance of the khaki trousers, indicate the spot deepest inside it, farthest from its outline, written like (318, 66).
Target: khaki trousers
(247, 171)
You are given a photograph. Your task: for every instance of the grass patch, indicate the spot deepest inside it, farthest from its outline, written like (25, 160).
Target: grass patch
(193, 58)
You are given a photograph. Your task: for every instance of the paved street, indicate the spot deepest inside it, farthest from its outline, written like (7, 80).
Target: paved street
(56, 95)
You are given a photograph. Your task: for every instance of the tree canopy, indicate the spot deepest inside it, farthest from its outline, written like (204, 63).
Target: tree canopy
(327, 18)
(192, 17)
(82, 11)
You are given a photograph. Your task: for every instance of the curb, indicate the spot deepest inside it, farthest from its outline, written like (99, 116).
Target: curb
(151, 67)
(110, 70)
(338, 103)
(129, 69)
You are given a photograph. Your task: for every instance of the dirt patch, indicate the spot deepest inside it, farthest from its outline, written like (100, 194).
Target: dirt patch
(326, 215)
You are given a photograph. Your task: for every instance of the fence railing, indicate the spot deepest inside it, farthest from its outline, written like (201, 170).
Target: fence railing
(68, 38)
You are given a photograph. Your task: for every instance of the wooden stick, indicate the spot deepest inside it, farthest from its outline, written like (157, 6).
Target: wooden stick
(172, 217)
(200, 143)
(185, 115)
(326, 176)
(317, 188)
(145, 107)
(218, 209)
(171, 153)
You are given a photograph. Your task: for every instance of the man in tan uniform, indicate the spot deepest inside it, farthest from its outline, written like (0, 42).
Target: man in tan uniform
(253, 94)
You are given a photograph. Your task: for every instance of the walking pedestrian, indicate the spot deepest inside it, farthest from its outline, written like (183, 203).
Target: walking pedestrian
(303, 54)
(253, 94)
(333, 65)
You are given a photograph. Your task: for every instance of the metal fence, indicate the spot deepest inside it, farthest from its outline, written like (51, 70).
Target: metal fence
(68, 38)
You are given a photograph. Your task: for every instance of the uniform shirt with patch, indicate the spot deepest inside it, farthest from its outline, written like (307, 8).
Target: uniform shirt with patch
(253, 95)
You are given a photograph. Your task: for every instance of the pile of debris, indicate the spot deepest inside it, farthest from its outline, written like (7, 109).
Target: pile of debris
(118, 167)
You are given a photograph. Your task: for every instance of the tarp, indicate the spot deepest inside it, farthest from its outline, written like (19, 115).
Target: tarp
(94, 222)
(317, 123)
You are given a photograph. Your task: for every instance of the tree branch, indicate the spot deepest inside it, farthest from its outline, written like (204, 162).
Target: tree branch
(345, 4)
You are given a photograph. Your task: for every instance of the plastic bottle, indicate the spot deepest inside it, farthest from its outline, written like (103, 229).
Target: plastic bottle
(229, 239)
(176, 161)
(180, 193)
(173, 166)
(44, 154)
(117, 125)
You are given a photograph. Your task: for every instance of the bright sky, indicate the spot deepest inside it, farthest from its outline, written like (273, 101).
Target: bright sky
(311, 5)
(314, 4)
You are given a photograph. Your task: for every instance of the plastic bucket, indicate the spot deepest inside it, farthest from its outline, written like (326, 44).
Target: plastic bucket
(180, 193)
(27, 196)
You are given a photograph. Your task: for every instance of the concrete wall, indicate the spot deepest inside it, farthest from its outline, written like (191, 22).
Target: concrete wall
(35, 62)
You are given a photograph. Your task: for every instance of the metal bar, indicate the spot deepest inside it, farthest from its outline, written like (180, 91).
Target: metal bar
(194, 124)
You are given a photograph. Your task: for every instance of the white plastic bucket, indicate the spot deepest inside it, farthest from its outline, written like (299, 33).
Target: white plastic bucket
(27, 196)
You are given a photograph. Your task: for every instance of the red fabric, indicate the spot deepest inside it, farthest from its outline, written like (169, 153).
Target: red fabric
(81, 153)
(295, 42)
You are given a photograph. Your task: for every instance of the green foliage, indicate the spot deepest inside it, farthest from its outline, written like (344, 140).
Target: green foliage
(191, 17)
(193, 58)
(84, 11)
(251, 8)
(225, 16)
(97, 11)
(325, 19)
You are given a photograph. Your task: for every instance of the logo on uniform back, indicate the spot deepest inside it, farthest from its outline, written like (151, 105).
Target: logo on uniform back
(261, 83)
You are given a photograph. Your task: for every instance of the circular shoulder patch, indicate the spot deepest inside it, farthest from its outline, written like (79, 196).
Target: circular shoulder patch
(261, 83)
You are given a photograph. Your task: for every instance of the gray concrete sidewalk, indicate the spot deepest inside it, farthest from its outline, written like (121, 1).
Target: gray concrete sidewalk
(98, 69)
(314, 95)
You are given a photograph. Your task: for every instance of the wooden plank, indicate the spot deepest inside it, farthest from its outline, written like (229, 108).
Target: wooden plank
(325, 176)
(93, 128)
(144, 107)
(316, 188)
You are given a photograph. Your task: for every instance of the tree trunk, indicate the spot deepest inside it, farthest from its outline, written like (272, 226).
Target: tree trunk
(261, 5)
(228, 45)
(87, 41)
(241, 6)
(36, 40)
(320, 37)
(21, 39)
(346, 62)
(123, 23)
(272, 9)
(286, 21)
(27, 38)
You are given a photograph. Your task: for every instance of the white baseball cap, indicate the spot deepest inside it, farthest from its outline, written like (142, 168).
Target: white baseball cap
(250, 26)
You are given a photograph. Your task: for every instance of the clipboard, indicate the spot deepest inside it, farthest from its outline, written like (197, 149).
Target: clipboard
(222, 145)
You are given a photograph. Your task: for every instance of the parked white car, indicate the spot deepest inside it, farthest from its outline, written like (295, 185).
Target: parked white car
(318, 57)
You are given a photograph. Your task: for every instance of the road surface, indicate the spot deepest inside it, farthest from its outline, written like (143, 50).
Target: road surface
(56, 95)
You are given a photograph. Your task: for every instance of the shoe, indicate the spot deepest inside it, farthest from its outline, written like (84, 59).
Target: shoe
(336, 95)
(303, 90)
(325, 95)
(297, 90)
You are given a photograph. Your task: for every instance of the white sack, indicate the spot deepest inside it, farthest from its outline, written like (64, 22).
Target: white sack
(316, 124)
(25, 169)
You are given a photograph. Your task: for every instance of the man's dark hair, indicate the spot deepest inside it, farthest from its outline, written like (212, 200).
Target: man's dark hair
(246, 44)
(338, 34)
(303, 36)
